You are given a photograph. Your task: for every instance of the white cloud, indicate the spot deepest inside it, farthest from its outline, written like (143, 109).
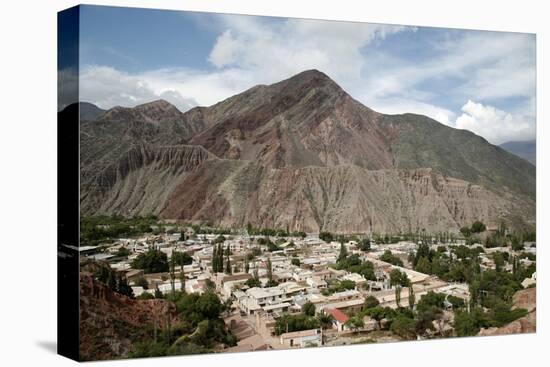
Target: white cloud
(67, 88)
(495, 125)
(399, 106)
(107, 87)
(273, 51)
(478, 66)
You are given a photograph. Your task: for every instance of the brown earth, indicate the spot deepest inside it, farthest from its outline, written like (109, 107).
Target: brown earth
(299, 154)
(527, 299)
(110, 322)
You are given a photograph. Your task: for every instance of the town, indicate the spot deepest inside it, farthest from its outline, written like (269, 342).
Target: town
(279, 289)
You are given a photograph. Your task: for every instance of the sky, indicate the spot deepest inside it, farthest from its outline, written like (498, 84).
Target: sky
(477, 80)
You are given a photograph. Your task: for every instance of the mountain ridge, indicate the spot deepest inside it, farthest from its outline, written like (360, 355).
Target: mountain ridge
(300, 126)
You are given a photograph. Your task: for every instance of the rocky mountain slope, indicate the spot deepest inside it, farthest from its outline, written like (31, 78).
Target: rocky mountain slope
(110, 323)
(523, 149)
(526, 299)
(302, 154)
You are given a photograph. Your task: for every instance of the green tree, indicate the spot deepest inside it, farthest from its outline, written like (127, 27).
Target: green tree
(124, 288)
(343, 253)
(398, 295)
(412, 297)
(182, 258)
(377, 313)
(355, 323)
(365, 245)
(215, 259)
(142, 282)
(398, 277)
(158, 293)
(423, 266)
(404, 326)
(370, 302)
(466, 232)
(269, 270)
(388, 257)
(173, 275)
(182, 279)
(308, 309)
(152, 261)
(326, 236)
(478, 227)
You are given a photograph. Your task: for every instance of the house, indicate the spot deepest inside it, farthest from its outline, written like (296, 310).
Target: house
(339, 319)
(303, 338)
(266, 299)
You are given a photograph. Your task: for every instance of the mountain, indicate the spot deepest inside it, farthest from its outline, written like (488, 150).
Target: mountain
(302, 154)
(89, 111)
(524, 149)
(111, 324)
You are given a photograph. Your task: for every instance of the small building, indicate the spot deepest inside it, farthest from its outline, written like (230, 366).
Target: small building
(339, 319)
(303, 338)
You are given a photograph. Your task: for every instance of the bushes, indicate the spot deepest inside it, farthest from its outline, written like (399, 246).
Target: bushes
(308, 309)
(152, 261)
(388, 257)
(289, 323)
(404, 327)
(397, 277)
(326, 236)
(182, 258)
(200, 330)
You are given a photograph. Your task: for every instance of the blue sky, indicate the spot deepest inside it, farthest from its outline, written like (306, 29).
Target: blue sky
(475, 80)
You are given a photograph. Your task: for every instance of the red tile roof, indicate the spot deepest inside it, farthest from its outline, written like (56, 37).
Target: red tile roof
(339, 315)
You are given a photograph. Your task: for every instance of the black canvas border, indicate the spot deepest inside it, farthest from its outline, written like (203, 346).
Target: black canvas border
(68, 181)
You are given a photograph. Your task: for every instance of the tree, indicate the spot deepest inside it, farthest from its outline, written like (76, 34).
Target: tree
(152, 261)
(398, 295)
(388, 257)
(253, 282)
(295, 261)
(431, 299)
(308, 309)
(182, 258)
(182, 236)
(397, 277)
(246, 265)
(182, 279)
(228, 269)
(343, 253)
(365, 245)
(145, 296)
(269, 270)
(124, 288)
(142, 282)
(377, 313)
(123, 252)
(111, 281)
(173, 275)
(517, 245)
(220, 258)
(478, 227)
(423, 266)
(355, 323)
(214, 259)
(412, 297)
(404, 326)
(370, 302)
(325, 320)
(158, 293)
(326, 236)
(466, 232)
